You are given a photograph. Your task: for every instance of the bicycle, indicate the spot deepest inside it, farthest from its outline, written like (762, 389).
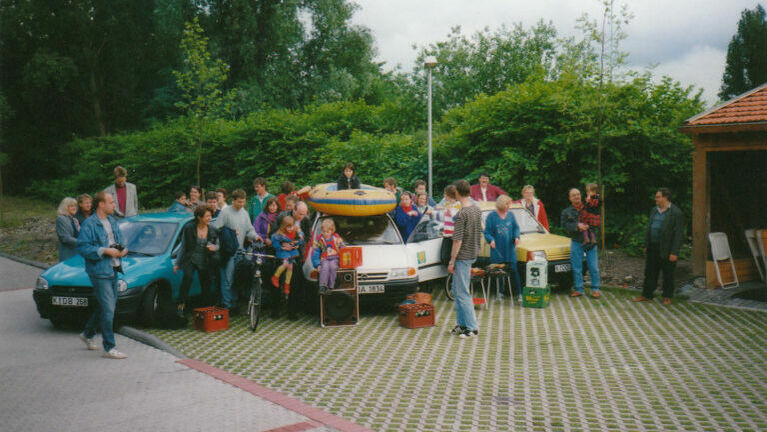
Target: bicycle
(256, 290)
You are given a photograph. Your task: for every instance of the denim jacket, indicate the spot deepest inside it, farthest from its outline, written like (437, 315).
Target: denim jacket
(91, 242)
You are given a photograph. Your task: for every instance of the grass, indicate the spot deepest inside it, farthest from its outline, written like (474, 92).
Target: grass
(15, 211)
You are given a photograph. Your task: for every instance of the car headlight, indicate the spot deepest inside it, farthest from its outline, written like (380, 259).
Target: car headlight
(536, 255)
(41, 284)
(404, 272)
(122, 286)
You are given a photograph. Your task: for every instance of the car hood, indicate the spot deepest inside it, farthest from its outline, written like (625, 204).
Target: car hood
(557, 247)
(71, 272)
(383, 257)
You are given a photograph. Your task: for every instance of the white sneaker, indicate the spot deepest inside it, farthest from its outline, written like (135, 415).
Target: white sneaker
(468, 334)
(90, 343)
(114, 354)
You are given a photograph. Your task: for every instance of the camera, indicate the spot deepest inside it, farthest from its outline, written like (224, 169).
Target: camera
(117, 246)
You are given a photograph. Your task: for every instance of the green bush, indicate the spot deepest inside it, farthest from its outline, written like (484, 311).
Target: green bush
(540, 132)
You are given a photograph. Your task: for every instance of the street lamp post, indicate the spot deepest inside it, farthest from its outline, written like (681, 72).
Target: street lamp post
(429, 64)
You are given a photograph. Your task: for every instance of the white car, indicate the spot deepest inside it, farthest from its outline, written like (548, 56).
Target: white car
(390, 268)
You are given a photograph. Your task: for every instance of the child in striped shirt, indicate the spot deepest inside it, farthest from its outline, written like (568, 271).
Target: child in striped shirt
(447, 216)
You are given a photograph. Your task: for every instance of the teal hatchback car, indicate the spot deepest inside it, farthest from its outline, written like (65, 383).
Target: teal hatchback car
(64, 292)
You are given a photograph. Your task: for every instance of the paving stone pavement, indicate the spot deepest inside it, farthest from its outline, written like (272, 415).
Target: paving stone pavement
(49, 381)
(580, 364)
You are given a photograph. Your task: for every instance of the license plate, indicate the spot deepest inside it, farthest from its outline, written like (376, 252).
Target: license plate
(371, 289)
(560, 268)
(70, 301)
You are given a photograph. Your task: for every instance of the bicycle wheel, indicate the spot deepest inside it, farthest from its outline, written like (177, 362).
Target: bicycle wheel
(449, 287)
(254, 305)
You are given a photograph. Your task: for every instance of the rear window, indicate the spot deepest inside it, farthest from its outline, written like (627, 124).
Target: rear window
(363, 230)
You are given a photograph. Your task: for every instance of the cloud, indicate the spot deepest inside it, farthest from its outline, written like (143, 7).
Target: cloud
(702, 66)
(686, 38)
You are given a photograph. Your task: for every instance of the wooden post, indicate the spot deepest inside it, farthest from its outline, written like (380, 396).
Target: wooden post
(700, 211)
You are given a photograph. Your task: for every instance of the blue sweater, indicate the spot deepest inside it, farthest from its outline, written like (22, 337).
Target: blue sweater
(503, 232)
(405, 223)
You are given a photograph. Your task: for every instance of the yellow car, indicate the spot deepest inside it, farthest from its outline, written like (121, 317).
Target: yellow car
(534, 242)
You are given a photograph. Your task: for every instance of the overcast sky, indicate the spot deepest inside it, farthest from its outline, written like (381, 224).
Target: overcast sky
(687, 39)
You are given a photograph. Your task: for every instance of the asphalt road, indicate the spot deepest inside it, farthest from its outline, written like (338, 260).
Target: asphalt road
(49, 381)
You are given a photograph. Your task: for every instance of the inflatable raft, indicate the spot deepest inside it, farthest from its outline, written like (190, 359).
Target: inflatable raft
(366, 201)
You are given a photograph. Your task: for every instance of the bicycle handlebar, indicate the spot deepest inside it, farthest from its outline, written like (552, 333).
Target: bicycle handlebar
(254, 254)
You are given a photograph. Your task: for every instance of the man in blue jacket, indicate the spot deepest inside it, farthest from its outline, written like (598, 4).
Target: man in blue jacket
(101, 244)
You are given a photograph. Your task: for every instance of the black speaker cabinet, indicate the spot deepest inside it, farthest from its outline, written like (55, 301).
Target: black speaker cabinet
(341, 307)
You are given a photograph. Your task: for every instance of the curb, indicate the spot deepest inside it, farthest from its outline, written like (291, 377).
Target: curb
(151, 340)
(32, 263)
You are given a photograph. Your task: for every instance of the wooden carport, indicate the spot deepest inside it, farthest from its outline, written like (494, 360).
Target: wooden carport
(729, 178)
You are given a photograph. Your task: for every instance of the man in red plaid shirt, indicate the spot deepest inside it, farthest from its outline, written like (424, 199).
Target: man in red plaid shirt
(589, 215)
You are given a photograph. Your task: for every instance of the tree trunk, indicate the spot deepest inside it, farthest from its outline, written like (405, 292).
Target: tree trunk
(199, 151)
(97, 105)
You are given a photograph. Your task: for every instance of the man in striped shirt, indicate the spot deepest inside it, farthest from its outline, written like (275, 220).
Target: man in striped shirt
(466, 246)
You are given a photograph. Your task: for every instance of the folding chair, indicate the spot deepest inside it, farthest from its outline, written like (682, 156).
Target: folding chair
(753, 244)
(761, 239)
(720, 251)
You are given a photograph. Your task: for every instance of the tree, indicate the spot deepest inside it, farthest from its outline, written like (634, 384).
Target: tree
(746, 65)
(77, 68)
(202, 85)
(485, 63)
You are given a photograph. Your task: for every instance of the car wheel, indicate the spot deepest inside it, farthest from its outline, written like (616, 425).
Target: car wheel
(59, 322)
(565, 281)
(152, 305)
(449, 287)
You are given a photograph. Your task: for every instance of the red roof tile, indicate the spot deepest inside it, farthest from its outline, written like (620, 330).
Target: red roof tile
(748, 108)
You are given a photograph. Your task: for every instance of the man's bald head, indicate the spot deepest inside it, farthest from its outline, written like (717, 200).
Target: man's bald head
(300, 212)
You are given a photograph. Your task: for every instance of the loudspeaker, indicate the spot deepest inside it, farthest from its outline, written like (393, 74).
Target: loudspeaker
(341, 307)
(346, 279)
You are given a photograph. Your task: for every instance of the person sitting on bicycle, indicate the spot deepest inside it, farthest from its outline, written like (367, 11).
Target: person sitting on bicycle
(286, 242)
(327, 248)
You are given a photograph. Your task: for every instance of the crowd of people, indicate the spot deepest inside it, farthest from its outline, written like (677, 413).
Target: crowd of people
(224, 224)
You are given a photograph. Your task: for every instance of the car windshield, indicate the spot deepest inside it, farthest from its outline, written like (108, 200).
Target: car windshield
(364, 230)
(526, 221)
(147, 238)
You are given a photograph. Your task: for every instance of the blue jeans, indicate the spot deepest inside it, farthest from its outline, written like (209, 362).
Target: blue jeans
(464, 305)
(229, 295)
(104, 313)
(592, 261)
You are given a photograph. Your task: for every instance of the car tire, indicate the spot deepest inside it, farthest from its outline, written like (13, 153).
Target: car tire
(565, 281)
(449, 287)
(60, 322)
(152, 305)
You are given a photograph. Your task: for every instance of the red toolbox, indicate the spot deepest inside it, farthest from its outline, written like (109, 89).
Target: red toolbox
(350, 257)
(416, 315)
(210, 319)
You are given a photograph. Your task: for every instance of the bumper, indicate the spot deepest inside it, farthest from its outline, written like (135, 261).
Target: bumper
(127, 305)
(395, 291)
